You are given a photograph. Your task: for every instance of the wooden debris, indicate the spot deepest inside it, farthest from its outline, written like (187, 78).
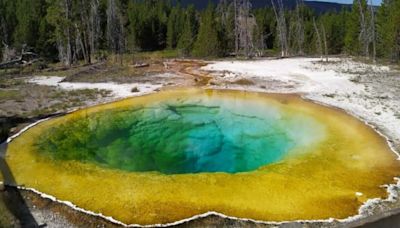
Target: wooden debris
(26, 58)
(141, 65)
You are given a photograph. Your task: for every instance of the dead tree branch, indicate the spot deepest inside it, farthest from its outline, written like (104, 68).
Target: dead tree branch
(279, 12)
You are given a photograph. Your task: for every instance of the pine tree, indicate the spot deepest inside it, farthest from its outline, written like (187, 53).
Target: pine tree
(116, 28)
(162, 20)
(59, 15)
(208, 42)
(171, 28)
(351, 41)
(357, 39)
(8, 21)
(7, 26)
(309, 44)
(188, 36)
(226, 25)
(45, 45)
(26, 29)
(75, 29)
(176, 22)
(32, 30)
(296, 36)
(334, 24)
(147, 25)
(133, 25)
(388, 28)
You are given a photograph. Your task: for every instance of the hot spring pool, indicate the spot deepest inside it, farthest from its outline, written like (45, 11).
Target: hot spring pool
(184, 135)
(175, 154)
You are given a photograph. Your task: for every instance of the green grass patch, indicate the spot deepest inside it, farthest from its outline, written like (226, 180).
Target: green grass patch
(9, 94)
(164, 54)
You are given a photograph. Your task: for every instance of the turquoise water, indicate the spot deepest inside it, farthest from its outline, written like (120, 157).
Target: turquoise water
(183, 136)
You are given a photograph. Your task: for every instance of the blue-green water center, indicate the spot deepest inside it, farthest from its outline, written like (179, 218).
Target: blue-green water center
(183, 135)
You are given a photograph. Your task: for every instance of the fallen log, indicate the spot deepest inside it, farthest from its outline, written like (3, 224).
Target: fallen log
(26, 58)
(11, 63)
(140, 65)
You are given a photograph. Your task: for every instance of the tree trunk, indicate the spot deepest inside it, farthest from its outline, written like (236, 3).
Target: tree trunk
(243, 27)
(281, 26)
(67, 31)
(299, 27)
(325, 42)
(373, 33)
(3, 27)
(236, 27)
(318, 38)
(364, 32)
(115, 29)
(94, 25)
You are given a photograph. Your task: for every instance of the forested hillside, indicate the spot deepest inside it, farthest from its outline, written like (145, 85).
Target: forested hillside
(74, 30)
(318, 7)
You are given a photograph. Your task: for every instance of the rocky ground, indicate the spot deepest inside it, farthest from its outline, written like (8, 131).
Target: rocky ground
(367, 91)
